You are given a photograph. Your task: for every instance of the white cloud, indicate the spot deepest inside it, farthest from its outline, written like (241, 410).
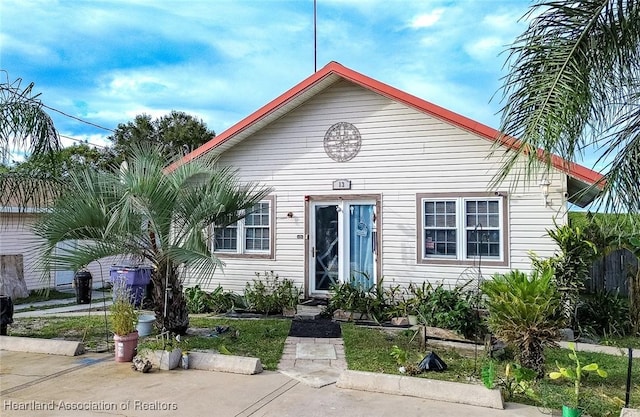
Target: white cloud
(505, 21)
(485, 48)
(109, 61)
(32, 50)
(427, 19)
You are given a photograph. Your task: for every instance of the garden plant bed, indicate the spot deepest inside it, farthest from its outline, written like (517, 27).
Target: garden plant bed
(368, 349)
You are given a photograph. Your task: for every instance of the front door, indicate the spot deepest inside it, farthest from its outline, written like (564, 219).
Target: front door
(343, 244)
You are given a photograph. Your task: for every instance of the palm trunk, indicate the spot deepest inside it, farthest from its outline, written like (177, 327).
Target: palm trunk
(531, 356)
(177, 316)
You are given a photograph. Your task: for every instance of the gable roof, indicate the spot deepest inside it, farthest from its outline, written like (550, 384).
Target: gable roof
(581, 179)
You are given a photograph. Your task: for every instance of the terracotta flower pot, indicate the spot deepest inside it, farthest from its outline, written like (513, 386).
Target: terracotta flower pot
(126, 346)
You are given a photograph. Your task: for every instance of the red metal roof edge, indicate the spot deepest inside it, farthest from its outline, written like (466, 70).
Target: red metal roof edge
(575, 170)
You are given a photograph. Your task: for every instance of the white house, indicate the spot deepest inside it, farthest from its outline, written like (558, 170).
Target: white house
(370, 182)
(20, 250)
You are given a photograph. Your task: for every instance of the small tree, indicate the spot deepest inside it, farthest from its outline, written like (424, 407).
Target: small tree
(524, 312)
(571, 265)
(173, 134)
(157, 216)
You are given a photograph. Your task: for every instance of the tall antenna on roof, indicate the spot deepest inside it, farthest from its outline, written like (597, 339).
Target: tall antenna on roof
(315, 39)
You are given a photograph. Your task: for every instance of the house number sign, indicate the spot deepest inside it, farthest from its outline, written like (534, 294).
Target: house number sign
(342, 185)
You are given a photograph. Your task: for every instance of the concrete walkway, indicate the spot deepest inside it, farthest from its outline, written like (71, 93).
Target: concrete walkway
(94, 385)
(99, 299)
(313, 361)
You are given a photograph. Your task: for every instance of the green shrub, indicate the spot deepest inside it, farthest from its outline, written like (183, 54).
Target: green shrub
(197, 300)
(524, 311)
(351, 296)
(221, 301)
(217, 301)
(604, 314)
(271, 294)
(450, 309)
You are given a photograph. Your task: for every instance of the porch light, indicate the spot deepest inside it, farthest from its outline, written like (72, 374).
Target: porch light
(544, 189)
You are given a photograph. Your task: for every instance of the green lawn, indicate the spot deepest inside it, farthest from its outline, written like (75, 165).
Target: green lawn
(93, 330)
(368, 349)
(262, 339)
(622, 342)
(43, 295)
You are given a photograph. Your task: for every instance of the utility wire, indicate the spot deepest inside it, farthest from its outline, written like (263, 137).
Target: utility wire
(14, 90)
(86, 142)
(76, 118)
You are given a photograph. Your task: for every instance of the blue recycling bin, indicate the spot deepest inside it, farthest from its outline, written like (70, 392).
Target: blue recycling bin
(136, 278)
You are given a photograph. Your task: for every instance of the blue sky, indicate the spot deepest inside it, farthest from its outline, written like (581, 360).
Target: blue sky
(108, 61)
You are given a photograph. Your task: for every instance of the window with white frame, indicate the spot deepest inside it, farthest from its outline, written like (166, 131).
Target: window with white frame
(464, 228)
(250, 235)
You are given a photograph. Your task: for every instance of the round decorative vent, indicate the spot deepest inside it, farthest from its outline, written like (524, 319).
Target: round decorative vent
(342, 142)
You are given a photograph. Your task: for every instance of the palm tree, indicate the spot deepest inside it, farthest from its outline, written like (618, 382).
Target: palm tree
(25, 125)
(154, 215)
(573, 87)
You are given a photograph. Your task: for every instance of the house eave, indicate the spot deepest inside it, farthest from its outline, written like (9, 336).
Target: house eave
(334, 72)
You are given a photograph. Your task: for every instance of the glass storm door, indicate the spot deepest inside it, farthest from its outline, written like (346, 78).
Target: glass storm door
(326, 247)
(362, 244)
(343, 244)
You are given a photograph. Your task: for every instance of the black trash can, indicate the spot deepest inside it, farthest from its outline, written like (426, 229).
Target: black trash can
(83, 282)
(6, 313)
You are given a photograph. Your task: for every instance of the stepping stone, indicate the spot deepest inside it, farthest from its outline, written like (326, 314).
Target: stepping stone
(315, 351)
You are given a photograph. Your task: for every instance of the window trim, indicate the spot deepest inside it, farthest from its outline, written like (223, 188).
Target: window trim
(241, 252)
(461, 228)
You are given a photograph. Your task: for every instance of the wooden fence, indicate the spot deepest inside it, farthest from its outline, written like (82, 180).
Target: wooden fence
(611, 273)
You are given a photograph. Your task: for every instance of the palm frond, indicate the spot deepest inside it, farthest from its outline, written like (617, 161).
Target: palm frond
(23, 191)
(145, 211)
(571, 74)
(23, 122)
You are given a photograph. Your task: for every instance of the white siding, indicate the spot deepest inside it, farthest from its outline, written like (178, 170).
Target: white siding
(404, 152)
(16, 238)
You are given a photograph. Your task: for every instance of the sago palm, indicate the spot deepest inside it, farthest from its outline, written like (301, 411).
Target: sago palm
(573, 87)
(154, 215)
(524, 311)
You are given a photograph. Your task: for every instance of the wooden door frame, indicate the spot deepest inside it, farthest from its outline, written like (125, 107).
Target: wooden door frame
(308, 199)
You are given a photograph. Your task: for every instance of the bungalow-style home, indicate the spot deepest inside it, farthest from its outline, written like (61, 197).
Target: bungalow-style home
(370, 182)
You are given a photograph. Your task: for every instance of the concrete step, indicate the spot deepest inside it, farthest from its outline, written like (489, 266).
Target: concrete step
(306, 312)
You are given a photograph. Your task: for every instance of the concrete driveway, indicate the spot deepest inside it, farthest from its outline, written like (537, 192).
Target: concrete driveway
(94, 385)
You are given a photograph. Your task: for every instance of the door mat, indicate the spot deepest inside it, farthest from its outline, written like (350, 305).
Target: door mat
(315, 328)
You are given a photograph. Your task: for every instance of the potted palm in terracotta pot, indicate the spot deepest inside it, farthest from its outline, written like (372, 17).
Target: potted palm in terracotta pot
(123, 322)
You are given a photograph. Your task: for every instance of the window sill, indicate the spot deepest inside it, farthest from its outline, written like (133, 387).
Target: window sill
(231, 255)
(465, 262)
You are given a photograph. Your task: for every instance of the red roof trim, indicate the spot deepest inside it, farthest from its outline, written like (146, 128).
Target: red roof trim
(578, 171)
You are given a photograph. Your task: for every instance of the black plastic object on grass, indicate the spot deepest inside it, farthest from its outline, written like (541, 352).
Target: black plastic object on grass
(432, 362)
(6, 313)
(218, 330)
